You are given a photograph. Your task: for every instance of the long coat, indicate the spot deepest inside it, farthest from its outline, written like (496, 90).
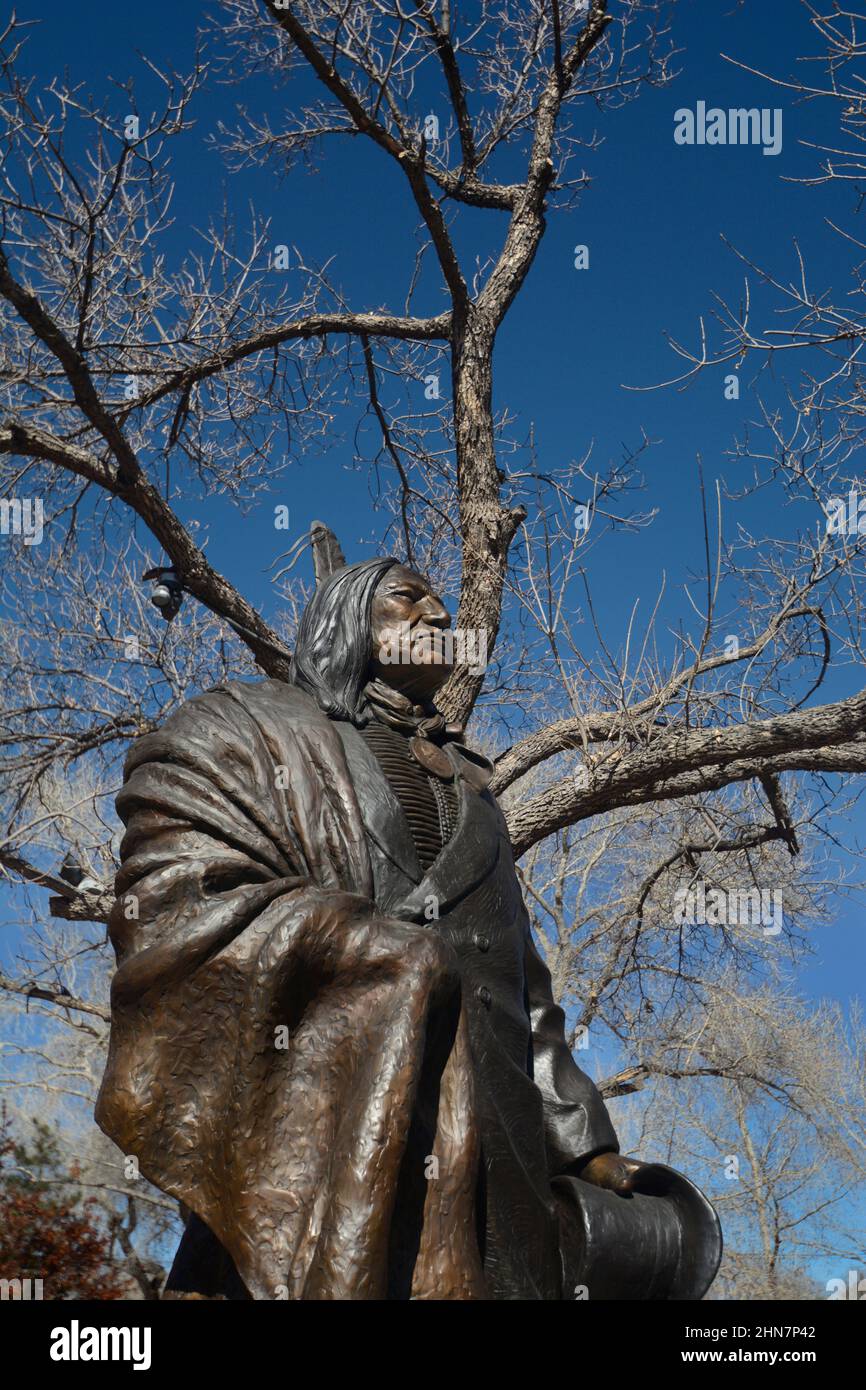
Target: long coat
(353, 1073)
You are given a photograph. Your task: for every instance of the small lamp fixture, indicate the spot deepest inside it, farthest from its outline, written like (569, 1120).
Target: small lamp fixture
(167, 592)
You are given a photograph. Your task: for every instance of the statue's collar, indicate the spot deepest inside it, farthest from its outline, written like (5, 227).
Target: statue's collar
(399, 712)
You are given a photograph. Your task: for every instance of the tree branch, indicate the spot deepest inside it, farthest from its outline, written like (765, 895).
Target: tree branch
(412, 167)
(829, 738)
(59, 997)
(196, 574)
(312, 326)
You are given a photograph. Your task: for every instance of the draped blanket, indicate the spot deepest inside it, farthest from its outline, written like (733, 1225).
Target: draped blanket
(284, 1059)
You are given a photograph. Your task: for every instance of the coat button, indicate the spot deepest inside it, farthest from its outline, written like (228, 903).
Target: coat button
(483, 993)
(482, 942)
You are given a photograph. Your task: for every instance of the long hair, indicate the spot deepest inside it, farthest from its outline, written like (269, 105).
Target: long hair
(332, 653)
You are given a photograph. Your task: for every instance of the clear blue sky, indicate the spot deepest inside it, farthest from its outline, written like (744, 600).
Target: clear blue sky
(652, 219)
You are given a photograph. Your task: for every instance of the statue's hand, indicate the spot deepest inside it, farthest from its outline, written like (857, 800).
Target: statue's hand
(618, 1173)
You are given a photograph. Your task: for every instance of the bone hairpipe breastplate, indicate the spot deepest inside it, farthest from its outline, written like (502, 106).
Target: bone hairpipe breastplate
(428, 802)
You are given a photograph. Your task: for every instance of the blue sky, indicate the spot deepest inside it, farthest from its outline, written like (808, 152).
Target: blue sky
(653, 220)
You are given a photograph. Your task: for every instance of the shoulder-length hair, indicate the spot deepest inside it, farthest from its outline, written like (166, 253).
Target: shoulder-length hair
(333, 650)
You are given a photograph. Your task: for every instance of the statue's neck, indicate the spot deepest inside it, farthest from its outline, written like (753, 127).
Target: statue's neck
(400, 712)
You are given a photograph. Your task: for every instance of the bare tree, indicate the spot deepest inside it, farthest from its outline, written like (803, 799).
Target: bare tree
(784, 1157)
(128, 385)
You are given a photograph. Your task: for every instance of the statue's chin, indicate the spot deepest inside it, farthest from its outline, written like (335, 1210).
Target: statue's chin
(418, 680)
(435, 670)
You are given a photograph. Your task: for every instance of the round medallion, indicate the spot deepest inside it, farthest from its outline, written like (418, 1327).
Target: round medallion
(432, 758)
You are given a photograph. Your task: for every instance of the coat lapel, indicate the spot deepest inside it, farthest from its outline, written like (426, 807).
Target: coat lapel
(381, 812)
(469, 855)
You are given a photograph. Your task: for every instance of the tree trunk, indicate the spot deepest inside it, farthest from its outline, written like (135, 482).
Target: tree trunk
(487, 527)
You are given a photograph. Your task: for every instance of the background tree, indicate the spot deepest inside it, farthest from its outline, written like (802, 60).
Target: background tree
(47, 1230)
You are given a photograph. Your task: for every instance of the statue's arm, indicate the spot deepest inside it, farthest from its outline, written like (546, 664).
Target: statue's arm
(577, 1125)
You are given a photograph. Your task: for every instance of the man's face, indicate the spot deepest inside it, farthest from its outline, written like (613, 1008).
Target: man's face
(408, 623)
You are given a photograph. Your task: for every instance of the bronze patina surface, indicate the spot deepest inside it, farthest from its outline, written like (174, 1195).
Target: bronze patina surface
(333, 1038)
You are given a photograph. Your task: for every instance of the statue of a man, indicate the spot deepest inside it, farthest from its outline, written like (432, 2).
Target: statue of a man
(333, 1039)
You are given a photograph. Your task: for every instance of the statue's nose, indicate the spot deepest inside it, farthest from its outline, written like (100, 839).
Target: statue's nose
(434, 612)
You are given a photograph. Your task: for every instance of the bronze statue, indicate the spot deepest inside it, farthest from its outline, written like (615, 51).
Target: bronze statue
(333, 1039)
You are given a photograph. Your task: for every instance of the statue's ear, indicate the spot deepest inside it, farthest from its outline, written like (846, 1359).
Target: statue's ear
(327, 555)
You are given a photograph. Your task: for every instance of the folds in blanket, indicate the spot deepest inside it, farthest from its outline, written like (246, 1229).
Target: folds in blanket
(272, 1087)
